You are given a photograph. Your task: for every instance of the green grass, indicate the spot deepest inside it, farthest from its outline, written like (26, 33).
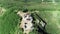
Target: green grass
(52, 19)
(48, 11)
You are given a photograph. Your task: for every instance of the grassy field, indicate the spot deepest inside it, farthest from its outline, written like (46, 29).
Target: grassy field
(9, 20)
